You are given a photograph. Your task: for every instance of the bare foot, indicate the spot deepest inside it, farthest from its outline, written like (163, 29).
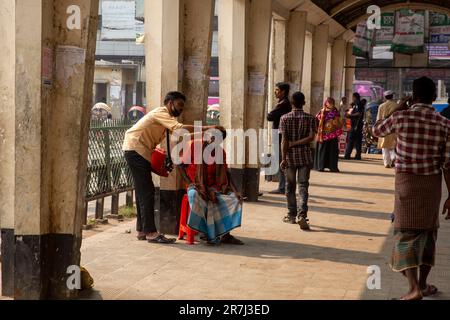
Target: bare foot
(413, 295)
(429, 290)
(152, 235)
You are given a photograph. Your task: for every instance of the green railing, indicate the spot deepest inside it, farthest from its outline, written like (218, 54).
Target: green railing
(108, 173)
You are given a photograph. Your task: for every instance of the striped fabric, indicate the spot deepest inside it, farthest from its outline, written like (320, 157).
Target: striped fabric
(214, 219)
(417, 201)
(413, 249)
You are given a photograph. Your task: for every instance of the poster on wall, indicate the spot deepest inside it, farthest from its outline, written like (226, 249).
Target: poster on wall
(363, 40)
(409, 31)
(118, 20)
(439, 29)
(385, 35)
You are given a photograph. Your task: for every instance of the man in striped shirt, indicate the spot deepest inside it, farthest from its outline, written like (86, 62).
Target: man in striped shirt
(423, 153)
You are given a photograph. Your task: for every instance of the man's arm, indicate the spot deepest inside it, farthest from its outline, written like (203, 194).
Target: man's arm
(384, 127)
(276, 113)
(303, 141)
(191, 128)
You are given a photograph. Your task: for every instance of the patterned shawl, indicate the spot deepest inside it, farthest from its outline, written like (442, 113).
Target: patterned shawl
(330, 124)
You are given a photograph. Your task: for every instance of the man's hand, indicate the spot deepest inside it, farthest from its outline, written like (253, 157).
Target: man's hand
(283, 165)
(446, 209)
(403, 105)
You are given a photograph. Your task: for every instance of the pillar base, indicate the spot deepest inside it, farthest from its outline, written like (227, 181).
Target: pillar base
(40, 266)
(7, 262)
(247, 182)
(169, 210)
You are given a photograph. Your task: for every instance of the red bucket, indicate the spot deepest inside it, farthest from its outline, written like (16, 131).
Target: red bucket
(158, 163)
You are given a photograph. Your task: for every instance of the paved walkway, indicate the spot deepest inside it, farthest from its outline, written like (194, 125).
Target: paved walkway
(351, 230)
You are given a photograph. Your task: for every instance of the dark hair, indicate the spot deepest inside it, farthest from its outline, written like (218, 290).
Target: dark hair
(363, 102)
(424, 90)
(174, 95)
(357, 95)
(389, 97)
(109, 116)
(283, 86)
(298, 99)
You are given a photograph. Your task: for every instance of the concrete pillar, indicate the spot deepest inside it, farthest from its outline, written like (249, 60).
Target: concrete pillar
(54, 67)
(337, 68)
(244, 36)
(178, 51)
(197, 56)
(7, 145)
(258, 43)
(163, 49)
(350, 63)
(319, 62)
(296, 30)
(233, 75)
(280, 51)
(307, 71)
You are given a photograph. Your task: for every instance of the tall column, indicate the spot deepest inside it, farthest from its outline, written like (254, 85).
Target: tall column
(197, 56)
(337, 68)
(233, 77)
(163, 49)
(319, 64)
(296, 30)
(280, 50)
(259, 26)
(178, 51)
(53, 68)
(350, 63)
(7, 145)
(164, 72)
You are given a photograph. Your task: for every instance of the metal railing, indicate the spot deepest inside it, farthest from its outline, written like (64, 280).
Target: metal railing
(108, 173)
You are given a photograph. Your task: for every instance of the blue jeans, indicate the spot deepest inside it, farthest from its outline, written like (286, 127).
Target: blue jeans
(300, 176)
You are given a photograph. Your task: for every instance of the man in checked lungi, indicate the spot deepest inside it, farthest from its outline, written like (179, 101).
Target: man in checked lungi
(423, 156)
(215, 203)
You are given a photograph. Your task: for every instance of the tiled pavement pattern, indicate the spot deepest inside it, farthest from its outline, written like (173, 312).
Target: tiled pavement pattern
(351, 230)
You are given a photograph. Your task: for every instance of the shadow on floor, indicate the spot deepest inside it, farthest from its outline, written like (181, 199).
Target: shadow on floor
(359, 189)
(274, 249)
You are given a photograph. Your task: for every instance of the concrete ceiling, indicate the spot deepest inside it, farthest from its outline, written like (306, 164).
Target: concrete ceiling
(345, 12)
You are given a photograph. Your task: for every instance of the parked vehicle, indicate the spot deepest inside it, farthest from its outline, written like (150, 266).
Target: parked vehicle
(369, 91)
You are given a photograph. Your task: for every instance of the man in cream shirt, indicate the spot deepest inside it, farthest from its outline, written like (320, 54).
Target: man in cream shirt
(388, 143)
(139, 144)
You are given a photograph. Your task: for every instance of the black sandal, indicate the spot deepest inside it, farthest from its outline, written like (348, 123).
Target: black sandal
(162, 240)
(229, 239)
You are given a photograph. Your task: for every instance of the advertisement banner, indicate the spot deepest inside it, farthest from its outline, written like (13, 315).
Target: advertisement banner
(118, 20)
(409, 31)
(385, 35)
(439, 28)
(363, 40)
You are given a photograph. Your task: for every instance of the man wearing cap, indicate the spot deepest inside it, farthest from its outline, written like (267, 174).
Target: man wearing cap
(388, 143)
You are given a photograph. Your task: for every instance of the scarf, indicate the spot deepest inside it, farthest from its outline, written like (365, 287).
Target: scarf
(330, 126)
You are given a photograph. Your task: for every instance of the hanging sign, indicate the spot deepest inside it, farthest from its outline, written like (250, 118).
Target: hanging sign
(409, 31)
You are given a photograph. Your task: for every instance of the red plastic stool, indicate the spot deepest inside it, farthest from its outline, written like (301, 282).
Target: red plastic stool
(184, 229)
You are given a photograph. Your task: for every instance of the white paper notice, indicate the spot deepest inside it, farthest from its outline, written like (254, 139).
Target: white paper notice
(67, 59)
(193, 68)
(257, 83)
(115, 92)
